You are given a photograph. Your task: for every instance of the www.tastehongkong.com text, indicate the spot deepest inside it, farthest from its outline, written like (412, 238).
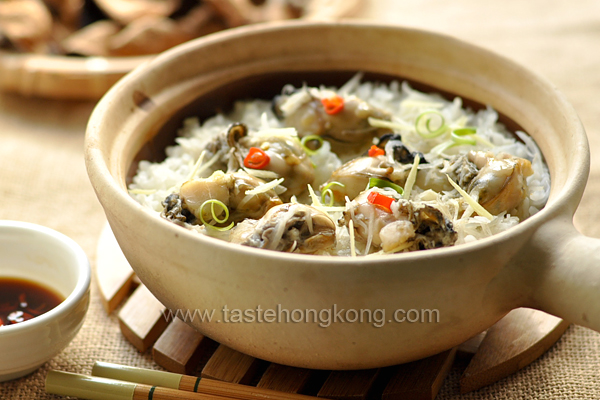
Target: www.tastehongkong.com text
(324, 317)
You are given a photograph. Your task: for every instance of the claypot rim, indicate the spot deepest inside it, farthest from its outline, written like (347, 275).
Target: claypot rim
(563, 201)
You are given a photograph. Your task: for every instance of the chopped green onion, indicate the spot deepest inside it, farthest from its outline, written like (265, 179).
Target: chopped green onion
(423, 124)
(463, 139)
(310, 138)
(464, 131)
(316, 203)
(376, 182)
(464, 136)
(471, 201)
(214, 215)
(412, 177)
(328, 192)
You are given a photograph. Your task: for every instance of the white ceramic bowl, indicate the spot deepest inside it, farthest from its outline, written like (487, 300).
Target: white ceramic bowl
(541, 263)
(40, 254)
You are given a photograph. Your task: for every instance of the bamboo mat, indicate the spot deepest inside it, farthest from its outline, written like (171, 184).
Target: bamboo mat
(43, 178)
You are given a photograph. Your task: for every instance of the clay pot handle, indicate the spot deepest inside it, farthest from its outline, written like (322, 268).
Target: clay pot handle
(563, 271)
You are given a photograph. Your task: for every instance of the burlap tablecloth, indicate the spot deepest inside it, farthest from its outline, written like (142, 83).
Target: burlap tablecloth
(43, 178)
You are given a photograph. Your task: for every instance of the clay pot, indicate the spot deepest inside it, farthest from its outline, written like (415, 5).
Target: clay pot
(541, 263)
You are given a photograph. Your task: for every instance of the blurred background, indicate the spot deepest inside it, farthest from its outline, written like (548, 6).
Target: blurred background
(43, 178)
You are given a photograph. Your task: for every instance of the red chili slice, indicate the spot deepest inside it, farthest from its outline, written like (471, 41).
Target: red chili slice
(333, 104)
(256, 159)
(380, 200)
(375, 151)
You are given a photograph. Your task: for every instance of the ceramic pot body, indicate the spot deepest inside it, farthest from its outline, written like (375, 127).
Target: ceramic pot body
(445, 295)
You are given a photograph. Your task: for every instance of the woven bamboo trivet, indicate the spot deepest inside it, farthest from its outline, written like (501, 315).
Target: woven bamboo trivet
(514, 342)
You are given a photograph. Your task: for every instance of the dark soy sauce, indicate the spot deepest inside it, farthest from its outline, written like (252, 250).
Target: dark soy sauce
(21, 300)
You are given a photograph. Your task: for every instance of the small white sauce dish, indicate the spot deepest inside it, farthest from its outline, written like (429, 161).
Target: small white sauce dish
(44, 256)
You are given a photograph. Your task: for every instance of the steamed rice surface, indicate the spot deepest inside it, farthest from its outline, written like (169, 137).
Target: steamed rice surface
(187, 159)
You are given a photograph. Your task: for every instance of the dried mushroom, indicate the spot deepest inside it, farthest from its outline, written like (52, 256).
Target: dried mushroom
(91, 40)
(147, 35)
(127, 11)
(127, 27)
(26, 24)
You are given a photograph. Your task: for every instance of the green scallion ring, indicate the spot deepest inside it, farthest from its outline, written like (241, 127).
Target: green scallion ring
(310, 138)
(465, 131)
(424, 128)
(328, 192)
(463, 138)
(324, 194)
(376, 182)
(215, 217)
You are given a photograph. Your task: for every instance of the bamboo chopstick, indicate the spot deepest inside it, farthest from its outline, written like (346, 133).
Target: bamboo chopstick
(95, 388)
(190, 383)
